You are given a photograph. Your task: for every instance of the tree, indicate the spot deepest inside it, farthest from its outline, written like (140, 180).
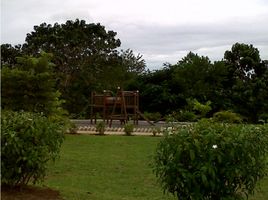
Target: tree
(248, 81)
(243, 61)
(132, 63)
(200, 79)
(167, 90)
(77, 47)
(158, 91)
(86, 59)
(237, 83)
(122, 69)
(9, 54)
(192, 72)
(30, 86)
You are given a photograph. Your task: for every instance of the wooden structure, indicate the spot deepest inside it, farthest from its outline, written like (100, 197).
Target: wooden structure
(123, 106)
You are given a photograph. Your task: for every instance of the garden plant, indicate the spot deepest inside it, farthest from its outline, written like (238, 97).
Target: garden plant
(128, 128)
(212, 160)
(28, 142)
(100, 127)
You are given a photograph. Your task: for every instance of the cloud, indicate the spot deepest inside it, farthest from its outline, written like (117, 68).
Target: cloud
(161, 43)
(162, 31)
(62, 17)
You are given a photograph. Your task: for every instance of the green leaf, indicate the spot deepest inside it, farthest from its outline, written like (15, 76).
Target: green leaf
(192, 154)
(204, 179)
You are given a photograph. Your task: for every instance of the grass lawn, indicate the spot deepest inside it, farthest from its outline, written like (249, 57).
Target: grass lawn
(110, 168)
(106, 168)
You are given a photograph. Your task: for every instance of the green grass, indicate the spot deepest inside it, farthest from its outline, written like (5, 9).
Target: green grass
(111, 168)
(106, 168)
(262, 192)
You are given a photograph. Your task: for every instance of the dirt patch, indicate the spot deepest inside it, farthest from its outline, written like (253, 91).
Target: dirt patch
(29, 193)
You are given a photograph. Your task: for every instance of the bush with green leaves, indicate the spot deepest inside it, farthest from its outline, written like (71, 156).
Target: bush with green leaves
(212, 161)
(201, 109)
(28, 142)
(263, 118)
(156, 130)
(227, 117)
(193, 111)
(128, 128)
(152, 116)
(100, 127)
(186, 116)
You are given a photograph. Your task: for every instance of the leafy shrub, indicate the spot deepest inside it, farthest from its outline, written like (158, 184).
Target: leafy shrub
(128, 128)
(152, 116)
(28, 142)
(212, 161)
(227, 117)
(186, 116)
(193, 111)
(100, 127)
(263, 118)
(156, 130)
(72, 129)
(202, 109)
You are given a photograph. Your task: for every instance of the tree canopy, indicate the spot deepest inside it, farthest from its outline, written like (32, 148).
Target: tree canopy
(30, 86)
(237, 83)
(87, 58)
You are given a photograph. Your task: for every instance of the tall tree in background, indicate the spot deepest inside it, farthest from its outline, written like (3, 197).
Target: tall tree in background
(200, 79)
(243, 61)
(85, 56)
(81, 53)
(248, 81)
(9, 54)
(157, 92)
(30, 86)
(192, 71)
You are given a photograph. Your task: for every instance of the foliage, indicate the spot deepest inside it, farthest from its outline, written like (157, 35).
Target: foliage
(243, 61)
(202, 109)
(193, 111)
(227, 116)
(152, 116)
(193, 74)
(131, 62)
(128, 128)
(263, 118)
(100, 127)
(185, 116)
(72, 129)
(248, 82)
(156, 130)
(158, 91)
(29, 86)
(86, 59)
(212, 160)
(239, 82)
(28, 142)
(9, 54)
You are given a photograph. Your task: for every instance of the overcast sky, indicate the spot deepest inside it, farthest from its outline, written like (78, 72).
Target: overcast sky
(161, 31)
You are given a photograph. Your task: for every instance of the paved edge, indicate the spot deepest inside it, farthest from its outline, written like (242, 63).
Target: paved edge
(116, 133)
